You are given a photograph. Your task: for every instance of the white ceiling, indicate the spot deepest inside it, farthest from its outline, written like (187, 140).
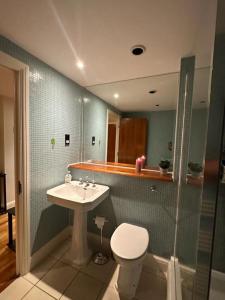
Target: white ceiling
(101, 33)
(134, 94)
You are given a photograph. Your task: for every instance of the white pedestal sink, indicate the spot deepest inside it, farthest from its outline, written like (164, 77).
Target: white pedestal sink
(81, 199)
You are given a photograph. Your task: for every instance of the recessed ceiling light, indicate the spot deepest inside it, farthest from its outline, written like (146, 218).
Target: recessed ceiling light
(80, 65)
(116, 96)
(138, 49)
(152, 91)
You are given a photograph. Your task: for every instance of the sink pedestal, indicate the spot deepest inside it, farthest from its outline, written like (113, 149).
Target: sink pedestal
(74, 196)
(79, 253)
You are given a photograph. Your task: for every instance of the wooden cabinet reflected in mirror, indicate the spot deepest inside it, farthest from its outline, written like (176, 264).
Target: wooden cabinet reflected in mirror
(132, 139)
(127, 138)
(111, 148)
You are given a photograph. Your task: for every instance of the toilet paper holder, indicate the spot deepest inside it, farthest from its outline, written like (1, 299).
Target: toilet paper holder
(100, 221)
(99, 257)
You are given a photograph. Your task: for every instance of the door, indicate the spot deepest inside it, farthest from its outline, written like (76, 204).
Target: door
(111, 142)
(132, 139)
(7, 177)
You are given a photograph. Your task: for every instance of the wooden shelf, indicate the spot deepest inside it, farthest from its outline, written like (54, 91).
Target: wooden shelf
(122, 170)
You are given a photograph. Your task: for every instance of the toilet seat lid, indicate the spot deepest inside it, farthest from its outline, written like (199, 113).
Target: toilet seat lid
(129, 241)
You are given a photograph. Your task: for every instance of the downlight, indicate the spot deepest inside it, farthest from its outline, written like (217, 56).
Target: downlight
(138, 49)
(152, 91)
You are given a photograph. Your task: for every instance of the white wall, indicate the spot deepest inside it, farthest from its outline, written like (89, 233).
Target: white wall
(9, 151)
(7, 111)
(1, 137)
(7, 82)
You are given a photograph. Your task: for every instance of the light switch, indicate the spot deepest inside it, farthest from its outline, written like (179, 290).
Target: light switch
(67, 140)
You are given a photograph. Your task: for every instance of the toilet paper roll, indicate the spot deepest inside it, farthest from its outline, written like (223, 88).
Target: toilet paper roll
(100, 221)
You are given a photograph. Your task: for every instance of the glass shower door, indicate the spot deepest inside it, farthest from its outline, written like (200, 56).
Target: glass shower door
(190, 183)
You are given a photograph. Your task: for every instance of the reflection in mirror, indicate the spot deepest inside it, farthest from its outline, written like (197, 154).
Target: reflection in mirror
(199, 121)
(132, 118)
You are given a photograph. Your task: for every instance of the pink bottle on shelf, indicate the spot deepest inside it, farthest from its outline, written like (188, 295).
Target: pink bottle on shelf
(138, 165)
(143, 160)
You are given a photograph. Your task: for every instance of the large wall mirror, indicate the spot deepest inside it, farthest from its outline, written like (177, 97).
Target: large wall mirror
(127, 119)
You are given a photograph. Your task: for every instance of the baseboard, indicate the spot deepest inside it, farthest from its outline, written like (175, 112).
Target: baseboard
(44, 251)
(10, 204)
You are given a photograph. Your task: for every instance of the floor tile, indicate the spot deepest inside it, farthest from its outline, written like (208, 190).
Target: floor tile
(217, 288)
(16, 290)
(57, 279)
(151, 265)
(37, 294)
(110, 293)
(187, 294)
(113, 280)
(151, 287)
(38, 272)
(66, 260)
(61, 249)
(83, 287)
(101, 272)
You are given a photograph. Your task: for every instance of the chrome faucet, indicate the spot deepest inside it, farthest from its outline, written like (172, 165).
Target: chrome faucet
(86, 181)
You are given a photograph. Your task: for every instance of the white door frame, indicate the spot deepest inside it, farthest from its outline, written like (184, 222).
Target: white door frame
(22, 201)
(117, 122)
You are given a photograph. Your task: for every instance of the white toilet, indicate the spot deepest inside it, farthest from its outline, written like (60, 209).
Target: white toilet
(129, 244)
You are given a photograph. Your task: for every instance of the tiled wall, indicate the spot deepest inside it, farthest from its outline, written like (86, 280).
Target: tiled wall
(95, 115)
(190, 200)
(54, 112)
(198, 135)
(132, 201)
(188, 225)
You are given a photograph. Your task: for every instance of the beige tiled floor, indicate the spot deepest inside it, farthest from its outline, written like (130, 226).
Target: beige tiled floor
(57, 279)
(54, 279)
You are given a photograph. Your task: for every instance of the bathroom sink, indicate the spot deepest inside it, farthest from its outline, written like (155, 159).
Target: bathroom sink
(75, 196)
(81, 199)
